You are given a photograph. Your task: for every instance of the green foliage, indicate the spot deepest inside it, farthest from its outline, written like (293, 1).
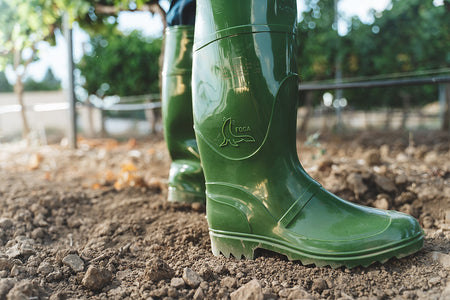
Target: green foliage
(121, 65)
(48, 83)
(5, 86)
(413, 36)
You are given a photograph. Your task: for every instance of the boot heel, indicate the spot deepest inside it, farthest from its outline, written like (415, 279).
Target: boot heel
(228, 245)
(175, 195)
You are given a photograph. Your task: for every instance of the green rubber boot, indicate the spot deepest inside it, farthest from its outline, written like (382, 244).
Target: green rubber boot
(186, 180)
(245, 86)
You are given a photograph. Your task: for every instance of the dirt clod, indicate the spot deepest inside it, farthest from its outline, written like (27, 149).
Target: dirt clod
(250, 291)
(74, 262)
(96, 278)
(191, 278)
(157, 270)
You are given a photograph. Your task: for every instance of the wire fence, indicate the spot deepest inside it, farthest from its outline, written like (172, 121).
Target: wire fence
(150, 102)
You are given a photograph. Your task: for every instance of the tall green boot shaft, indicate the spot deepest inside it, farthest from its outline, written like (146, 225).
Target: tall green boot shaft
(186, 181)
(245, 86)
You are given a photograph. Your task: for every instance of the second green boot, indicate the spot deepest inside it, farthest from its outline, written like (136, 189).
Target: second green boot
(186, 180)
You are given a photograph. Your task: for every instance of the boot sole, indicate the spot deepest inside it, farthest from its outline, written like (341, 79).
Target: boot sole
(240, 246)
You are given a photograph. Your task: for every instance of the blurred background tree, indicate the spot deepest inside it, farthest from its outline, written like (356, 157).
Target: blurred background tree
(412, 38)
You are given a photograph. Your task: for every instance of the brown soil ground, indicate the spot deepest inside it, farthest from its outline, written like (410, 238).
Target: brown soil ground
(94, 223)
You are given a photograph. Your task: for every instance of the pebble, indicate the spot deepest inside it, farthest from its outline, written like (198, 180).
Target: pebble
(381, 203)
(250, 291)
(16, 270)
(199, 295)
(45, 268)
(5, 264)
(172, 292)
(229, 282)
(197, 206)
(443, 258)
(299, 293)
(96, 278)
(24, 290)
(356, 183)
(157, 269)
(401, 179)
(191, 278)
(14, 251)
(428, 222)
(372, 157)
(6, 223)
(38, 233)
(177, 282)
(405, 197)
(385, 183)
(6, 284)
(446, 292)
(434, 280)
(74, 262)
(319, 285)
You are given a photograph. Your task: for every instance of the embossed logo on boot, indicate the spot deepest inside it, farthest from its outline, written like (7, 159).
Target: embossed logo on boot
(233, 135)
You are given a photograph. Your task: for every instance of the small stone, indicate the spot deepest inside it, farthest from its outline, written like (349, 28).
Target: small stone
(229, 282)
(381, 203)
(6, 223)
(250, 291)
(172, 292)
(54, 276)
(45, 268)
(3, 274)
(446, 292)
(5, 264)
(38, 233)
(443, 258)
(157, 270)
(16, 270)
(24, 290)
(177, 282)
(401, 179)
(405, 197)
(356, 183)
(198, 295)
(408, 209)
(197, 206)
(299, 293)
(284, 293)
(58, 296)
(160, 293)
(74, 262)
(96, 278)
(319, 285)
(372, 157)
(385, 183)
(191, 278)
(428, 222)
(6, 284)
(27, 250)
(14, 251)
(434, 280)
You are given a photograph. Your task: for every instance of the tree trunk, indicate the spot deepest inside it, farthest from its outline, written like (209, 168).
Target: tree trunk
(388, 118)
(406, 99)
(446, 114)
(18, 90)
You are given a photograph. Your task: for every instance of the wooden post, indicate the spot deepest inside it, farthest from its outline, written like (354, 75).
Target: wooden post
(72, 133)
(444, 103)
